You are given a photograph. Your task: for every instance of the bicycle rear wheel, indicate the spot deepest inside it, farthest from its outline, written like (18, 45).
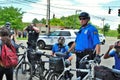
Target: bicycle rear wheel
(24, 71)
(53, 76)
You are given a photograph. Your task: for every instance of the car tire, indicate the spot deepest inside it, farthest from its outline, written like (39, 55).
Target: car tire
(41, 44)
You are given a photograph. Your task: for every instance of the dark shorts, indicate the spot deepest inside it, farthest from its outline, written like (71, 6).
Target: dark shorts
(81, 54)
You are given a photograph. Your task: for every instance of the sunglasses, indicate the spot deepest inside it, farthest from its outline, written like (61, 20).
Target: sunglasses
(82, 18)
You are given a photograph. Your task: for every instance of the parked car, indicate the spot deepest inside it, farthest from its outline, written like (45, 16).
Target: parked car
(102, 38)
(50, 39)
(69, 34)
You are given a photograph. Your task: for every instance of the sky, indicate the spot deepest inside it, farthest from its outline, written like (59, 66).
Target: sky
(98, 9)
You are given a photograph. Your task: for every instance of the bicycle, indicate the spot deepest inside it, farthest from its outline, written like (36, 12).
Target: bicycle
(23, 70)
(90, 70)
(57, 66)
(40, 72)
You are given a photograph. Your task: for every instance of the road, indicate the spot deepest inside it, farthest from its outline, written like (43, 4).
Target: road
(105, 62)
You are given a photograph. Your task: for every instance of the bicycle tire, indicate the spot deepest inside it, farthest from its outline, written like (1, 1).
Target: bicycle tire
(38, 74)
(24, 71)
(53, 76)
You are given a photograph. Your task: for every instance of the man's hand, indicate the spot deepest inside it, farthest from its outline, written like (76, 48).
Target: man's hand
(67, 63)
(36, 29)
(97, 58)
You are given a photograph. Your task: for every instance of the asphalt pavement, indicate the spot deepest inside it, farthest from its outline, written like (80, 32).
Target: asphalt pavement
(106, 62)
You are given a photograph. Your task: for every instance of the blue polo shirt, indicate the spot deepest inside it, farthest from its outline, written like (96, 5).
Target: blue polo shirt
(64, 49)
(113, 53)
(87, 38)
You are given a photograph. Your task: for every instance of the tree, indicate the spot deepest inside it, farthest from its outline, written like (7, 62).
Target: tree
(43, 20)
(118, 29)
(106, 28)
(12, 15)
(35, 20)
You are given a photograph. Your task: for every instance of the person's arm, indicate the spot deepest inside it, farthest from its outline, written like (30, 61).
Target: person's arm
(70, 58)
(72, 47)
(106, 55)
(97, 49)
(36, 29)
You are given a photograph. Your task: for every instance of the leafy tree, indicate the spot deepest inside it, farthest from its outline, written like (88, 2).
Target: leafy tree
(35, 20)
(43, 20)
(118, 29)
(106, 28)
(12, 15)
(56, 22)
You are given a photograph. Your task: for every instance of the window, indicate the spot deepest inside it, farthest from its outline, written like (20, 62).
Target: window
(56, 33)
(65, 33)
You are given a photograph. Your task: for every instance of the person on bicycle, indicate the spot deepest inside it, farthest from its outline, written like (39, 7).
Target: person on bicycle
(114, 51)
(63, 48)
(33, 33)
(86, 42)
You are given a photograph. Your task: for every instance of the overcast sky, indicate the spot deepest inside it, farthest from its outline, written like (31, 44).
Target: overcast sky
(98, 9)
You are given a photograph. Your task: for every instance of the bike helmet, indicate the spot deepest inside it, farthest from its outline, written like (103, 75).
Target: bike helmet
(61, 40)
(117, 44)
(7, 25)
(84, 14)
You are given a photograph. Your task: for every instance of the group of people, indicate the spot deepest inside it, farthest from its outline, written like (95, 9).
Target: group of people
(22, 34)
(7, 36)
(86, 42)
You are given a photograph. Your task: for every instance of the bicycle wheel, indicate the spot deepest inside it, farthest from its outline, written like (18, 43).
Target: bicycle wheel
(24, 71)
(53, 76)
(38, 73)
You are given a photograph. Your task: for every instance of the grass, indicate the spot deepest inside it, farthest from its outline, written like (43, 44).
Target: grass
(22, 38)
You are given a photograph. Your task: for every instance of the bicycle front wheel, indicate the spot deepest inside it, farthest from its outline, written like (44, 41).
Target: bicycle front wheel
(38, 74)
(24, 71)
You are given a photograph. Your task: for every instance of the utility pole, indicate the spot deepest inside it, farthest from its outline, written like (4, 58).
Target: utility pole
(103, 19)
(48, 17)
(75, 18)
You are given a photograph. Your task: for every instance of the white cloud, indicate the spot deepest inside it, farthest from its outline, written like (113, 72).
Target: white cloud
(68, 7)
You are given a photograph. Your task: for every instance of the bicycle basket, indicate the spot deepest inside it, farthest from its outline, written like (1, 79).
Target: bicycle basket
(56, 64)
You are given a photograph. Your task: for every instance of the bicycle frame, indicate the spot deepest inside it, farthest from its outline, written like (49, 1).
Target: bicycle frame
(40, 64)
(23, 58)
(89, 70)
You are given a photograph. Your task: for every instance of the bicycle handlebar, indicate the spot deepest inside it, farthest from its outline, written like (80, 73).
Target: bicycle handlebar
(43, 54)
(115, 71)
(86, 60)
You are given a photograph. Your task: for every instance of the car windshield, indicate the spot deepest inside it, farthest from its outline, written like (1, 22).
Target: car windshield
(55, 33)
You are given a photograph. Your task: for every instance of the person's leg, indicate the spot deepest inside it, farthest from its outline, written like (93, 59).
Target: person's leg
(9, 73)
(1, 72)
(80, 66)
(77, 66)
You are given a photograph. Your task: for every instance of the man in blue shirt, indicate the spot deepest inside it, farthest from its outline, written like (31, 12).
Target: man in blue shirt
(114, 51)
(63, 48)
(87, 41)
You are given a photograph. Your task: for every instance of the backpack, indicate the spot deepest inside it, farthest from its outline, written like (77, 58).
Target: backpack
(8, 56)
